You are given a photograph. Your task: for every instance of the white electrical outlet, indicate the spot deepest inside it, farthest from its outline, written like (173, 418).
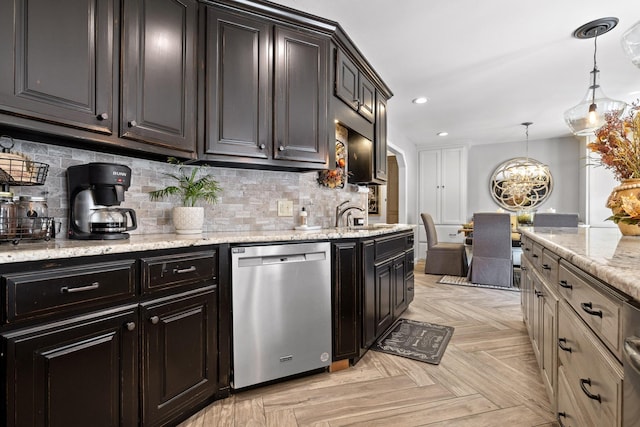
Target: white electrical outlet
(285, 208)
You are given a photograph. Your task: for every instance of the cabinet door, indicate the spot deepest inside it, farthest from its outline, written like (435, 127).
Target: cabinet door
(525, 293)
(79, 372)
(179, 353)
(380, 143)
(548, 344)
(536, 320)
(347, 88)
(159, 73)
(346, 301)
(400, 302)
(366, 98)
(57, 61)
(384, 297)
(429, 182)
(238, 78)
(353, 87)
(300, 113)
(368, 293)
(453, 186)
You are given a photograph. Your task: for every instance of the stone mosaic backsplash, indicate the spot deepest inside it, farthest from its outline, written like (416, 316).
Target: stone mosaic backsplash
(248, 201)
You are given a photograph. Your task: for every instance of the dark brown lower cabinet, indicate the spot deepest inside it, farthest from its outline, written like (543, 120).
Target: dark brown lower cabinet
(82, 371)
(399, 286)
(385, 283)
(179, 354)
(385, 278)
(346, 300)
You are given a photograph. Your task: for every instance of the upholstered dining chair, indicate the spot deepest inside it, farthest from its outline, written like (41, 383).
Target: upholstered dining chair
(492, 261)
(443, 257)
(547, 219)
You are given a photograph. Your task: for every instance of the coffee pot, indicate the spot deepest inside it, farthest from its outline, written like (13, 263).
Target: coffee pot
(95, 191)
(112, 220)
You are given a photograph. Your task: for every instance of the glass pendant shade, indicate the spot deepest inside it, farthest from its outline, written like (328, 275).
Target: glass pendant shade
(631, 43)
(589, 115)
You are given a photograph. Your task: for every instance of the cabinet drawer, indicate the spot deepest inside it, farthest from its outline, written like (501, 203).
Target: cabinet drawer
(549, 268)
(594, 376)
(527, 247)
(597, 306)
(31, 295)
(387, 247)
(536, 255)
(166, 271)
(569, 412)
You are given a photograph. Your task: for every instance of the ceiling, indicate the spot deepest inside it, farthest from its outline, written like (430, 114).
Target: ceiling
(485, 66)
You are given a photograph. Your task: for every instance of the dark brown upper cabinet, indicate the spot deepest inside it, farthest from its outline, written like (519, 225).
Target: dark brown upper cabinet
(159, 73)
(353, 87)
(238, 81)
(57, 61)
(266, 98)
(380, 142)
(301, 125)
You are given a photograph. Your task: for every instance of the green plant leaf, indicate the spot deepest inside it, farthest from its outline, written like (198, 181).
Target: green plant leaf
(191, 185)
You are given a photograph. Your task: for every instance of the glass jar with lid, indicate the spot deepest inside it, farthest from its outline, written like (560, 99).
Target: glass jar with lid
(32, 207)
(32, 215)
(8, 215)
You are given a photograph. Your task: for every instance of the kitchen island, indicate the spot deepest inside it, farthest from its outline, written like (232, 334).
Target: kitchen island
(579, 286)
(601, 252)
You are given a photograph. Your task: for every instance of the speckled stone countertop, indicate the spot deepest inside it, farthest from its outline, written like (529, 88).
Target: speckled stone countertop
(65, 248)
(601, 252)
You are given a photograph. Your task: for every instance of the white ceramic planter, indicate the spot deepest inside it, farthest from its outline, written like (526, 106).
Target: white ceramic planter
(188, 220)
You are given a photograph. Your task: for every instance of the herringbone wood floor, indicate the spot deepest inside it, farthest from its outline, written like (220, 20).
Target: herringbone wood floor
(488, 376)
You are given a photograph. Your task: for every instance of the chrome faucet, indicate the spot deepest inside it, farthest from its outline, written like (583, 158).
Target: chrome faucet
(340, 211)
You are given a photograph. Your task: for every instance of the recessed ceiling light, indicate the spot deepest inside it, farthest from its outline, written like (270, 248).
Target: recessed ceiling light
(420, 100)
(442, 133)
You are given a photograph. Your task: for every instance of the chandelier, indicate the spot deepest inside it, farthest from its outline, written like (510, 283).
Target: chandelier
(589, 115)
(522, 182)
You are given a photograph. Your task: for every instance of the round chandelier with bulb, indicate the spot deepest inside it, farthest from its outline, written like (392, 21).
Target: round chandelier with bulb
(521, 183)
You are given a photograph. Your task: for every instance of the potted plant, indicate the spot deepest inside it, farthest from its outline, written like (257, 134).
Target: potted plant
(192, 186)
(618, 144)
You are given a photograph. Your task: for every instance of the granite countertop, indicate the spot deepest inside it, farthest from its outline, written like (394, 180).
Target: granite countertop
(601, 252)
(65, 248)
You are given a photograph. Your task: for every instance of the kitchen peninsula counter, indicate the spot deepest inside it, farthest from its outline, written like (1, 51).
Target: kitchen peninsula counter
(65, 248)
(601, 252)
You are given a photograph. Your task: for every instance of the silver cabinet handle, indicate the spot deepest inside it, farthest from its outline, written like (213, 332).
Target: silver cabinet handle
(184, 270)
(154, 320)
(91, 287)
(102, 116)
(262, 146)
(133, 124)
(131, 326)
(281, 148)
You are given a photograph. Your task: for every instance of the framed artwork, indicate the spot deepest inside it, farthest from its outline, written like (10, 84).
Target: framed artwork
(373, 200)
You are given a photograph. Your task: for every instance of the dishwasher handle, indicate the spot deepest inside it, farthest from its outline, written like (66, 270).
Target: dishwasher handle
(283, 259)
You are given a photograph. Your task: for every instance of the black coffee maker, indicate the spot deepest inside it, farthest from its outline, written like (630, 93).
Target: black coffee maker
(94, 189)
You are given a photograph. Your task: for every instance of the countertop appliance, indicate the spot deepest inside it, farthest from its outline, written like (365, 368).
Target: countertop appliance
(631, 363)
(94, 189)
(281, 310)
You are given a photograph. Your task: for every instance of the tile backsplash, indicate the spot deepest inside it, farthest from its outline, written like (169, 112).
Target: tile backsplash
(248, 201)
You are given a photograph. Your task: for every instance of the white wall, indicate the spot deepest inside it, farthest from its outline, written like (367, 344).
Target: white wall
(562, 155)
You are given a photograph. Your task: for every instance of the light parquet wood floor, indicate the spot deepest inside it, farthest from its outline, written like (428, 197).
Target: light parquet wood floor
(488, 376)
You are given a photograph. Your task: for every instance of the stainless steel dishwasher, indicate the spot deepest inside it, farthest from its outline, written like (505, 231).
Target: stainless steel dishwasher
(281, 310)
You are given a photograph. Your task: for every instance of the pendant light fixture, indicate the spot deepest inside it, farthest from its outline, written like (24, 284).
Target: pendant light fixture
(524, 180)
(589, 115)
